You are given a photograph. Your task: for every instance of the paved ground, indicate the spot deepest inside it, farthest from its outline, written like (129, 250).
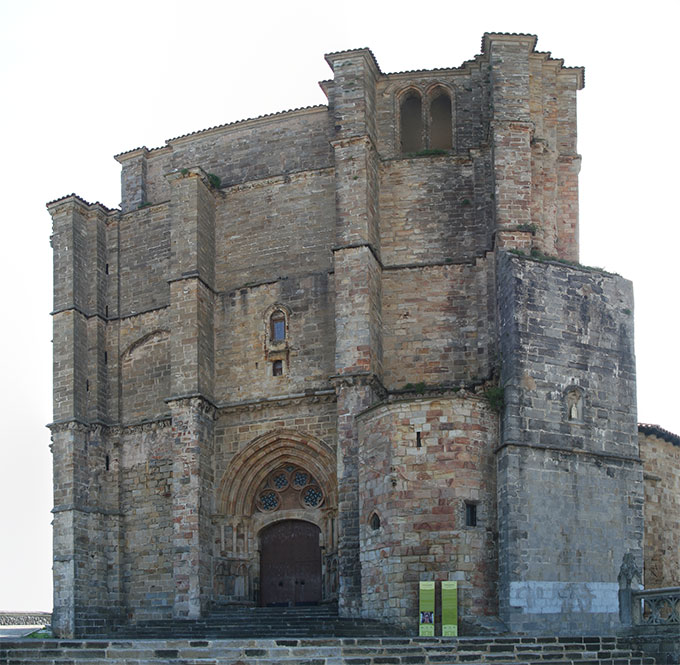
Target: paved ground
(12, 632)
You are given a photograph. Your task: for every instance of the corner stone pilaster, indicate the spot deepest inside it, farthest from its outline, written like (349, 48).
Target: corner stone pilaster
(192, 482)
(354, 395)
(358, 275)
(192, 210)
(512, 130)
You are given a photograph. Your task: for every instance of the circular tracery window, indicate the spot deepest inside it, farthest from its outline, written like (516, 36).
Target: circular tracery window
(268, 501)
(312, 497)
(280, 480)
(289, 487)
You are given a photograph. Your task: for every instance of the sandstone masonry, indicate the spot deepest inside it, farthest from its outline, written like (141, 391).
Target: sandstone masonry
(359, 326)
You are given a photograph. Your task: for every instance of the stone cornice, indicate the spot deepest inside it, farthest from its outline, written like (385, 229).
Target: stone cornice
(100, 427)
(352, 380)
(193, 400)
(90, 315)
(66, 507)
(516, 37)
(359, 245)
(281, 179)
(73, 424)
(122, 157)
(143, 425)
(365, 53)
(73, 200)
(395, 398)
(576, 452)
(323, 396)
(194, 274)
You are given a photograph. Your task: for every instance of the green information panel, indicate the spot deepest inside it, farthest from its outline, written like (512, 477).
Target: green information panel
(426, 614)
(450, 609)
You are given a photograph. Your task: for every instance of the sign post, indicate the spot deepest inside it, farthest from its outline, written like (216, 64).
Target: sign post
(450, 609)
(426, 610)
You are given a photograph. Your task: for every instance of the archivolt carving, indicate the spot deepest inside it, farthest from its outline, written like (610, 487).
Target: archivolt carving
(155, 336)
(251, 466)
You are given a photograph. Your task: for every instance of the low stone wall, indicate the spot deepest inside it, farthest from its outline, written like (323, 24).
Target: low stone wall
(660, 642)
(25, 618)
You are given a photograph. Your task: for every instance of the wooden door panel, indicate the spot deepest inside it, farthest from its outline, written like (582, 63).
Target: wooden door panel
(290, 564)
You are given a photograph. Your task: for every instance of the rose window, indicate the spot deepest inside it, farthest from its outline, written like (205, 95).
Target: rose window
(300, 479)
(280, 481)
(268, 501)
(312, 497)
(289, 487)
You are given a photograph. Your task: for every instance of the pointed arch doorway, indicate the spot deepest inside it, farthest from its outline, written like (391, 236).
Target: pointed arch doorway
(290, 564)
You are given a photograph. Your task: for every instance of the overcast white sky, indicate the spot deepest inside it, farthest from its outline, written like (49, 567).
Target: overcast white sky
(82, 81)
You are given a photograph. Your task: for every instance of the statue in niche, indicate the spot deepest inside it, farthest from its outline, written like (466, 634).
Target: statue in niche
(574, 404)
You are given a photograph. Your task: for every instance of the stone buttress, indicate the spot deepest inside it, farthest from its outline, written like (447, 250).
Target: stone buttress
(361, 323)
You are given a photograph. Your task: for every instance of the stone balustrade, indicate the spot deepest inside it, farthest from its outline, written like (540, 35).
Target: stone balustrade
(656, 607)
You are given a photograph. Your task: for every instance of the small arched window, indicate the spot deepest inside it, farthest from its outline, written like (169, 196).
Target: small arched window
(277, 326)
(374, 521)
(411, 123)
(441, 136)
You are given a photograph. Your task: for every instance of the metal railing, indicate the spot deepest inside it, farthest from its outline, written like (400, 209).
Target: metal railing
(656, 607)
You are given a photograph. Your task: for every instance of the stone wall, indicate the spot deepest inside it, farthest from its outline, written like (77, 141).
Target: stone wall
(143, 460)
(143, 258)
(570, 489)
(433, 209)
(386, 268)
(660, 453)
(236, 153)
(423, 460)
(438, 324)
(244, 354)
(267, 229)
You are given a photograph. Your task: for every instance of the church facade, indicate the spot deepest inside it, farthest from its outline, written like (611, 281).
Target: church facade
(323, 355)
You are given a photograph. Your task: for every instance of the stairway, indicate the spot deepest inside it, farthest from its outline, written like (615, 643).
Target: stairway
(326, 651)
(262, 622)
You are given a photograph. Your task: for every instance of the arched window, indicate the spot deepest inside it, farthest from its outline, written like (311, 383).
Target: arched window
(411, 123)
(374, 521)
(441, 137)
(277, 326)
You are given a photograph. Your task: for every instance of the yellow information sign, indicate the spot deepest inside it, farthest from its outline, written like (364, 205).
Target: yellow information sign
(426, 610)
(450, 609)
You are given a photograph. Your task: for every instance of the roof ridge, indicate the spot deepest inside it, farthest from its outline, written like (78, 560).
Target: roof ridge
(73, 195)
(649, 428)
(223, 125)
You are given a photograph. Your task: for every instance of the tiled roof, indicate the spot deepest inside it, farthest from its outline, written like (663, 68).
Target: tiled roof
(506, 34)
(238, 122)
(78, 198)
(226, 124)
(659, 432)
(354, 50)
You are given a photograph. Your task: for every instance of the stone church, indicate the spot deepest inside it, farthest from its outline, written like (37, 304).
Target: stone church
(322, 355)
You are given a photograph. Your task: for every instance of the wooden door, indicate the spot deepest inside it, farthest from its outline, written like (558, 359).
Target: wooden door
(290, 564)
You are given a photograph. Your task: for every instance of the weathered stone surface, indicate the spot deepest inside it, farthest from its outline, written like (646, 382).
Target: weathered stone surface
(295, 318)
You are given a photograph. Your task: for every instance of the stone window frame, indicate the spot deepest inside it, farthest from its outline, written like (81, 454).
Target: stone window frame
(371, 521)
(277, 350)
(427, 95)
(477, 514)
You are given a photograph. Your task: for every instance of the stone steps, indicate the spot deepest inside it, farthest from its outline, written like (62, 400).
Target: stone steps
(261, 622)
(325, 651)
